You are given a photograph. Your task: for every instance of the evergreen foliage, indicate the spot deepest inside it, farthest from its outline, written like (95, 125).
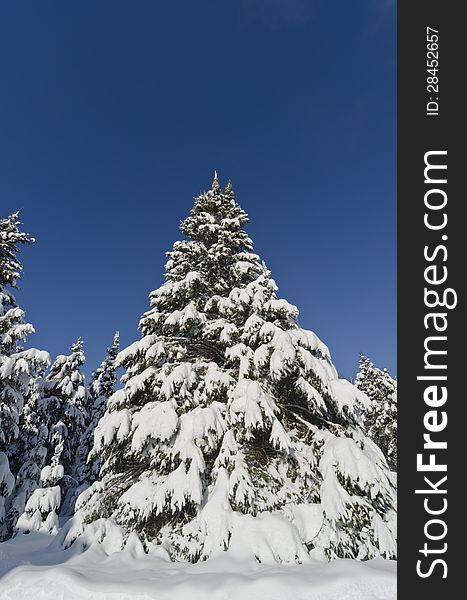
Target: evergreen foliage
(19, 371)
(380, 418)
(63, 409)
(101, 388)
(233, 429)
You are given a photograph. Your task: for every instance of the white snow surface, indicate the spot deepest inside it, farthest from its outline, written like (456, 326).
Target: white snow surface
(32, 569)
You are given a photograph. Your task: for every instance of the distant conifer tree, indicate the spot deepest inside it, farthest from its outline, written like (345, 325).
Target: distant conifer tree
(63, 405)
(101, 388)
(380, 418)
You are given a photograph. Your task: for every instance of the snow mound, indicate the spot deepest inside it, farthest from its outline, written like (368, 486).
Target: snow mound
(31, 568)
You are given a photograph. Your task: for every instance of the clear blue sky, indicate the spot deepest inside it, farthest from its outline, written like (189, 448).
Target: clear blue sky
(114, 114)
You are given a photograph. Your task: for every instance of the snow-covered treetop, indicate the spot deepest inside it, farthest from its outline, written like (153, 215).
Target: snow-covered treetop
(104, 378)
(375, 382)
(62, 370)
(66, 381)
(64, 366)
(218, 251)
(10, 239)
(13, 329)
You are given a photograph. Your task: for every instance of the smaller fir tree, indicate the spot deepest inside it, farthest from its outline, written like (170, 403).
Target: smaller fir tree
(28, 454)
(380, 418)
(64, 401)
(7, 482)
(101, 388)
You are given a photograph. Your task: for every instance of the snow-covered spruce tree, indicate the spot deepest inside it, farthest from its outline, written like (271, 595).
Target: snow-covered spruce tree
(7, 482)
(63, 404)
(28, 453)
(101, 388)
(19, 368)
(233, 430)
(380, 418)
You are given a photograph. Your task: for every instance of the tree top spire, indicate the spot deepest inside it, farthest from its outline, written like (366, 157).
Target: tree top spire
(215, 182)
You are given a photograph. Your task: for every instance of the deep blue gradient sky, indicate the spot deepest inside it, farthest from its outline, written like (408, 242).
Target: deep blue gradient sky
(114, 114)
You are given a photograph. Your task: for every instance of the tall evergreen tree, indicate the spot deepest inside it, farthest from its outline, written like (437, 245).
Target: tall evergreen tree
(380, 418)
(101, 388)
(63, 404)
(19, 368)
(233, 430)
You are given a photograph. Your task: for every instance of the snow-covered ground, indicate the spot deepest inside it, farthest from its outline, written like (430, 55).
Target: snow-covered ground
(31, 570)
